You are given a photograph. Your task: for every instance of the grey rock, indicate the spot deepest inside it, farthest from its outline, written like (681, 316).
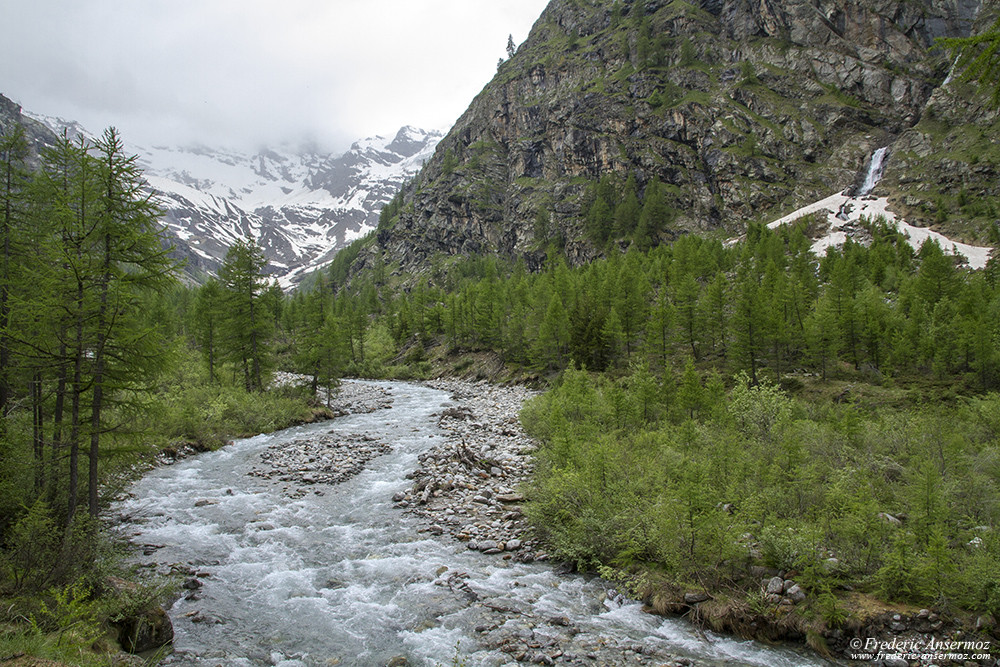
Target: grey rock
(795, 594)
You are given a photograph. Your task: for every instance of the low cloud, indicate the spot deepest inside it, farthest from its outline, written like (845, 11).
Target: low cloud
(247, 73)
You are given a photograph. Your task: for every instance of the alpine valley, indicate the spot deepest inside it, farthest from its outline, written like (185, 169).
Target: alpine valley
(745, 250)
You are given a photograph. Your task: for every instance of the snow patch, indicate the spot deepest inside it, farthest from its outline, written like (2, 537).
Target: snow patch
(842, 210)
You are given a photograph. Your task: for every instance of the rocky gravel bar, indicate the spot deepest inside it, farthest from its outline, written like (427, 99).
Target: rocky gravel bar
(469, 487)
(330, 458)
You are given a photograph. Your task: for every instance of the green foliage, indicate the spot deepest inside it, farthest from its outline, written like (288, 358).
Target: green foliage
(245, 324)
(31, 550)
(977, 57)
(616, 486)
(758, 411)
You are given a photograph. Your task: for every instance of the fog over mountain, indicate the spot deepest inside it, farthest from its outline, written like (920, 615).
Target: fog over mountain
(301, 205)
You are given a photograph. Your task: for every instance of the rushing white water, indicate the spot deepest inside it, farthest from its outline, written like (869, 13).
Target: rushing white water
(874, 174)
(339, 576)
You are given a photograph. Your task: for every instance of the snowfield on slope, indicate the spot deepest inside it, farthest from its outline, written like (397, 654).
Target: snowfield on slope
(845, 211)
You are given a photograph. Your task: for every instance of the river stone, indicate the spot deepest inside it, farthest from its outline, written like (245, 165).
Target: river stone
(695, 598)
(147, 630)
(513, 545)
(776, 586)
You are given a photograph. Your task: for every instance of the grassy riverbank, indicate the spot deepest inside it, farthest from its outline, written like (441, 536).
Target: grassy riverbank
(851, 491)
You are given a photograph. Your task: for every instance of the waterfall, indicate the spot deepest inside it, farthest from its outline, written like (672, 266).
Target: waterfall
(874, 174)
(951, 72)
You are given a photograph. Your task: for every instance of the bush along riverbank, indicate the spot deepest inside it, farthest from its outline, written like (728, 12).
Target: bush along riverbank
(869, 517)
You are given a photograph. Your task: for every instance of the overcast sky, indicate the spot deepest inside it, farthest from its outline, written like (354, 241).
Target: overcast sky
(244, 73)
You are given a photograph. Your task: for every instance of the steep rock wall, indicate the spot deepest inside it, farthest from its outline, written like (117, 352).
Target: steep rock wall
(743, 108)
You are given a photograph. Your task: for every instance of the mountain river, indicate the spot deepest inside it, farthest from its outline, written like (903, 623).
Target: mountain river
(338, 575)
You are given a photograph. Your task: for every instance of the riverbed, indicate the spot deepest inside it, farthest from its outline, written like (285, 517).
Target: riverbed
(296, 549)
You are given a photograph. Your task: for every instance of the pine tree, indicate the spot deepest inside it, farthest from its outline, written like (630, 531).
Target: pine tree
(13, 154)
(131, 258)
(748, 317)
(656, 214)
(686, 294)
(598, 222)
(247, 329)
(628, 210)
(208, 318)
(690, 393)
(553, 336)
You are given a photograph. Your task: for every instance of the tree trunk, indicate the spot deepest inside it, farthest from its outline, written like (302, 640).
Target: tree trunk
(57, 425)
(98, 397)
(37, 431)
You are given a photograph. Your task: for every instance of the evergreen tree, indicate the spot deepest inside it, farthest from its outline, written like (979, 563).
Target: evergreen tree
(686, 294)
(208, 318)
(553, 336)
(690, 393)
(627, 211)
(598, 222)
(656, 214)
(247, 328)
(13, 172)
(131, 258)
(748, 317)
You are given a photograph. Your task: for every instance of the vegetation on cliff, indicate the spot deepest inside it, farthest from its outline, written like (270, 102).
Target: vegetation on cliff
(727, 114)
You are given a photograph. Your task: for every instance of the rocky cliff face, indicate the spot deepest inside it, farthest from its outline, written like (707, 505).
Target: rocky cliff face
(742, 108)
(38, 134)
(944, 172)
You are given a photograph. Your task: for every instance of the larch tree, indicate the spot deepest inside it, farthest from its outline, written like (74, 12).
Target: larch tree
(247, 326)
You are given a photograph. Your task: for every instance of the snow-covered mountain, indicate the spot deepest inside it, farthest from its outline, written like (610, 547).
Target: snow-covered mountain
(301, 206)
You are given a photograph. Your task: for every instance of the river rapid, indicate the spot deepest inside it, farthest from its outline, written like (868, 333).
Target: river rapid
(304, 570)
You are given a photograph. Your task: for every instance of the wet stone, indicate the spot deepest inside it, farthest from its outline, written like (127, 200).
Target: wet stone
(483, 459)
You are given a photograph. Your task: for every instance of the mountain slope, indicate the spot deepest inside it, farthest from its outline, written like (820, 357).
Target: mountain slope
(301, 206)
(743, 110)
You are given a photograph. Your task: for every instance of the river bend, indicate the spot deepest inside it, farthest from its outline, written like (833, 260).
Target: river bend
(291, 573)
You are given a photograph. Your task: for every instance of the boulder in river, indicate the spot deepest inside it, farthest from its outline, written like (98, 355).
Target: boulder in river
(146, 630)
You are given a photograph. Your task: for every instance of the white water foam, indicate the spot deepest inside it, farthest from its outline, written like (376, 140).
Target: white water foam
(345, 578)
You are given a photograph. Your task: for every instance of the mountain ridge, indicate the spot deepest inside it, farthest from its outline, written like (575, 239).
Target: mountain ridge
(300, 205)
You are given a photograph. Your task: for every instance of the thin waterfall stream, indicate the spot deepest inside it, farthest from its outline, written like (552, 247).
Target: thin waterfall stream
(874, 174)
(294, 570)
